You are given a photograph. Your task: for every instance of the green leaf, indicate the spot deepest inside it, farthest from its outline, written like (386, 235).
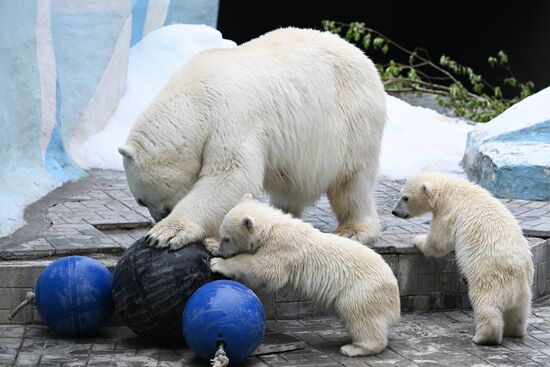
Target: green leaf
(367, 41)
(511, 81)
(330, 25)
(385, 49)
(378, 42)
(502, 58)
(355, 31)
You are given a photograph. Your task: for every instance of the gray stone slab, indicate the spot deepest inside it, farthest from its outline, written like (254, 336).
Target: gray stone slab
(277, 342)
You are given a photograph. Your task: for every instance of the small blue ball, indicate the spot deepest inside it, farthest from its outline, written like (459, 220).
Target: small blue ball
(73, 295)
(224, 311)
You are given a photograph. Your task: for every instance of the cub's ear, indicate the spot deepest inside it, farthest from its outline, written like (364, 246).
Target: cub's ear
(247, 223)
(247, 197)
(127, 151)
(427, 187)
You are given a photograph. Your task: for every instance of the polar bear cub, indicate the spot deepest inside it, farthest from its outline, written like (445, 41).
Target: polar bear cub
(490, 249)
(264, 247)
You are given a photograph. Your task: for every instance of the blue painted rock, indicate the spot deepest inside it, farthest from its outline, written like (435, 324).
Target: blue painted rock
(151, 287)
(73, 295)
(510, 155)
(224, 311)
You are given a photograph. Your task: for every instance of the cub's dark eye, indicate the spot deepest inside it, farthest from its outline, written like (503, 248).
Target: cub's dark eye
(225, 240)
(405, 198)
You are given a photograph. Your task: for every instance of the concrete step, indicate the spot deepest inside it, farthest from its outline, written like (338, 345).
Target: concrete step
(424, 283)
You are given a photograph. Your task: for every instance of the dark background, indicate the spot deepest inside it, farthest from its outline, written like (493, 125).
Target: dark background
(468, 31)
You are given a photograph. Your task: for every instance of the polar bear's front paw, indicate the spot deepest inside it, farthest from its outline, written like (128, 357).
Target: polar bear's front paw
(212, 246)
(217, 265)
(357, 232)
(173, 233)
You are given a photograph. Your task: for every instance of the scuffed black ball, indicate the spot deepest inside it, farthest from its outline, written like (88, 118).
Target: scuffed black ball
(151, 287)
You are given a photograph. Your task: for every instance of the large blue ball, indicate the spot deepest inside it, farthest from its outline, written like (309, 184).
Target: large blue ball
(224, 311)
(73, 295)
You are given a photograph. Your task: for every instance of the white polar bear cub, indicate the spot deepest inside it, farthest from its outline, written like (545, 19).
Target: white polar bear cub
(490, 249)
(297, 113)
(264, 247)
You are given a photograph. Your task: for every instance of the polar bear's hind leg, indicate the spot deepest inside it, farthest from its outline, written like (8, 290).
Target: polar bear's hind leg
(515, 319)
(368, 337)
(489, 325)
(293, 207)
(353, 203)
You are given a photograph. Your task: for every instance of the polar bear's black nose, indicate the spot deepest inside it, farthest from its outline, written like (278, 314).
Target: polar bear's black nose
(394, 212)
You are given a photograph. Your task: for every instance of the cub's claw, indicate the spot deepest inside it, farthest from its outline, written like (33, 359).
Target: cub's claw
(212, 246)
(216, 264)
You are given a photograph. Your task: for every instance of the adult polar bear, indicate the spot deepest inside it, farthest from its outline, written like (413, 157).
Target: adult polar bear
(295, 112)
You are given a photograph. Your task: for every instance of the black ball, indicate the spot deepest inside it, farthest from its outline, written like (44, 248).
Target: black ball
(151, 287)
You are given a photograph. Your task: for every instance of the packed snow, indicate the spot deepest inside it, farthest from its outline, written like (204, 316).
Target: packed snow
(533, 109)
(151, 63)
(414, 138)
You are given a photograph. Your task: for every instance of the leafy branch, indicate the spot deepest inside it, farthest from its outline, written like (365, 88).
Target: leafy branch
(457, 86)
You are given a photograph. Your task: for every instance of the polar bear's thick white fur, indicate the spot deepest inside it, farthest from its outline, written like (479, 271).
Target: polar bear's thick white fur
(295, 112)
(264, 247)
(490, 249)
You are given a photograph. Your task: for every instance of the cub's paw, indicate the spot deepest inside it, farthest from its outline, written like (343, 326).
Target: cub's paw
(486, 339)
(420, 241)
(173, 233)
(217, 265)
(354, 350)
(212, 246)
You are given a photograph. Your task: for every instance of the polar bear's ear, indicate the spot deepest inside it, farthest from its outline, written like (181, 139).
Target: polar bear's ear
(127, 151)
(247, 223)
(247, 197)
(427, 187)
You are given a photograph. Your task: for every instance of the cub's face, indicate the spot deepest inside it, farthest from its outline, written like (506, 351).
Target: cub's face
(156, 184)
(414, 201)
(237, 235)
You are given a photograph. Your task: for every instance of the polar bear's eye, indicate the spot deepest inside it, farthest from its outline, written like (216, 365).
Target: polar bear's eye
(405, 198)
(225, 240)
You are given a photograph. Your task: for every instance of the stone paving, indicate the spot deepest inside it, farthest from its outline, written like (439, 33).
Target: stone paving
(104, 217)
(100, 217)
(427, 339)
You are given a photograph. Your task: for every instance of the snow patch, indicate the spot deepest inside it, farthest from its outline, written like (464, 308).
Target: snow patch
(151, 63)
(418, 137)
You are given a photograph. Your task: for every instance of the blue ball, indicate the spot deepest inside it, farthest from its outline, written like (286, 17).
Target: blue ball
(73, 295)
(224, 311)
